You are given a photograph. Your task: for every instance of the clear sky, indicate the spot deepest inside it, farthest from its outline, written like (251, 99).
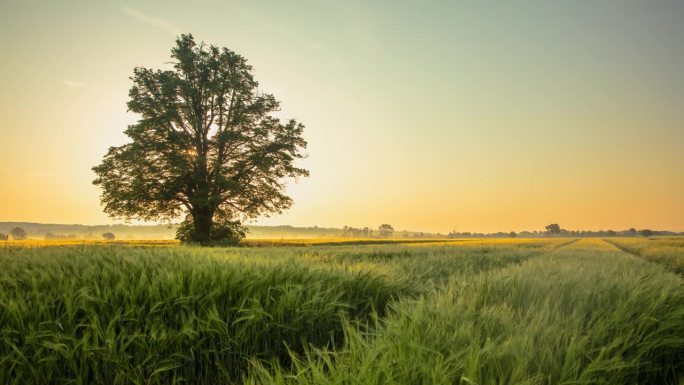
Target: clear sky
(429, 115)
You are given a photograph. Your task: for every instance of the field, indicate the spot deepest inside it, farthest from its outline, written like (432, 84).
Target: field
(519, 311)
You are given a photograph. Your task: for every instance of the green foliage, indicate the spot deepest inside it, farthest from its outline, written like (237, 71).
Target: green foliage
(121, 315)
(18, 233)
(560, 318)
(226, 232)
(385, 230)
(666, 251)
(206, 144)
(526, 312)
(553, 229)
(647, 233)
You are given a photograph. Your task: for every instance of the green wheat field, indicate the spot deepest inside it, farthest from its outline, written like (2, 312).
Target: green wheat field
(524, 311)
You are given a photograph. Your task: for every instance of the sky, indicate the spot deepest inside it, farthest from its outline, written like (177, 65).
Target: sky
(428, 115)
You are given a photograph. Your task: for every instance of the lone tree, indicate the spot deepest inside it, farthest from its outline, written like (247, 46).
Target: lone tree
(18, 233)
(206, 146)
(109, 236)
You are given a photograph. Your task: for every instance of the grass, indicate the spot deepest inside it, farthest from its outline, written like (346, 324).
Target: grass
(524, 311)
(250, 242)
(159, 315)
(668, 251)
(85, 242)
(266, 242)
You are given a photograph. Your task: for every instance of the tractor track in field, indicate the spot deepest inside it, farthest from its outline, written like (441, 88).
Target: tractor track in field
(623, 248)
(564, 244)
(637, 254)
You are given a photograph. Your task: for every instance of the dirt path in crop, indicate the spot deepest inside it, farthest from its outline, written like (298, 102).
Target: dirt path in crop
(617, 246)
(564, 244)
(669, 262)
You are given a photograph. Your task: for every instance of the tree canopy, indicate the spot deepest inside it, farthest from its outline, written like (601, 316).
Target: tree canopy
(18, 233)
(386, 230)
(206, 146)
(553, 229)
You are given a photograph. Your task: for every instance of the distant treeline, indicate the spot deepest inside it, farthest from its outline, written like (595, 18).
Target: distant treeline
(168, 231)
(553, 230)
(68, 231)
(162, 231)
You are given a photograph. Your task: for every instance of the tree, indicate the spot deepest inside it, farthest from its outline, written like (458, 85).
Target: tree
(553, 229)
(108, 236)
(386, 230)
(512, 234)
(353, 232)
(647, 233)
(206, 146)
(3, 237)
(18, 233)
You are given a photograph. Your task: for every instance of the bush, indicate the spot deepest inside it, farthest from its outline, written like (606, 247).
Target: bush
(647, 233)
(223, 232)
(18, 233)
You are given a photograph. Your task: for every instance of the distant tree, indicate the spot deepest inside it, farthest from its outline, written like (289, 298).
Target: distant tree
(3, 237)
(18, 233)
(647, 233)
(632, 232)
(207, 146)
(512, 234)
(108, 236)
(353, 232)
(385, 230)
(611, 233)
(553, 229)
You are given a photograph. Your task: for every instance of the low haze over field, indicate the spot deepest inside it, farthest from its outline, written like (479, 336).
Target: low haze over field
(430, 116)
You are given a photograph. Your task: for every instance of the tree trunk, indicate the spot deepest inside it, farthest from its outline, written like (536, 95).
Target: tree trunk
(202, 219)
(203, 214)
